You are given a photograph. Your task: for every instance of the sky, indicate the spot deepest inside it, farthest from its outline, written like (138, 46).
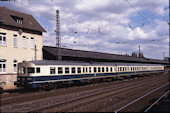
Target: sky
(108, 26)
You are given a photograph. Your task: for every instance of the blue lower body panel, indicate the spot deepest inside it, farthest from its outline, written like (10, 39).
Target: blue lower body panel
(38, 80)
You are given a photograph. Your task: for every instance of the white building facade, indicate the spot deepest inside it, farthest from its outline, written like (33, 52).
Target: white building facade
(20, 40)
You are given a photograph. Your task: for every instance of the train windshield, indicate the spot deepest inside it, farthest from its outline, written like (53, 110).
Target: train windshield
(21, 70)
(30, 70)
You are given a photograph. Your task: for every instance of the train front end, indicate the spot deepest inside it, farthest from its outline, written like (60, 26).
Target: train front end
(24, 76)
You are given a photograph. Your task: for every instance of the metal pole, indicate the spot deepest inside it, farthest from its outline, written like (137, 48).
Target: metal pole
(139, 50)
(58, 40)
(35, 57)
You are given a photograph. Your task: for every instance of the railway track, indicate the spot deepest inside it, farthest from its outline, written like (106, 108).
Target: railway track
(150, 107)
(89, 105)
(22, 97)
(50, 103)
(137, 104)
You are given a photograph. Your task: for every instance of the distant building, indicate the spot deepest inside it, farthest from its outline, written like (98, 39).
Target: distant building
(50, 53)
(20, 40)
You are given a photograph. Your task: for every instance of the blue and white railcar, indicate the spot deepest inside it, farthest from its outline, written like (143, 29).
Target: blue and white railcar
(36, 73)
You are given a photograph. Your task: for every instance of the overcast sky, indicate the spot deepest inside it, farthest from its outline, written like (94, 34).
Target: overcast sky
(109, 26)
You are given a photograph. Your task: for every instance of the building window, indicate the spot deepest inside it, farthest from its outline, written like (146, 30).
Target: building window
(3, 40)
(24, 42)
(2, 66)
(18, 20)
(15, 66)
(15, 41)
(32, 42)
(52, 70)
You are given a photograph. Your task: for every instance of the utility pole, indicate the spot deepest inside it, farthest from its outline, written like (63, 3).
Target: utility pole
(139, 50)
(58, 40)
(35, 56)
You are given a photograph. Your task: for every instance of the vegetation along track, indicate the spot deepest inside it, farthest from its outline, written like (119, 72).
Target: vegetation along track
(59, 101)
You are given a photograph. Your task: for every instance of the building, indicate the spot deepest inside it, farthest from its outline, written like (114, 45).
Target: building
(20, 40)
(50, 53)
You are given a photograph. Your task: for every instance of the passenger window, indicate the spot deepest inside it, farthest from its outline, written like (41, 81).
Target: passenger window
(73, 70)
(52, 70)
(78, 70)
(86, 69)
(95, 69)
(98, 69)
(89, 69)
(120, 68)
(102, 69)
(38, 70)
(107, 69)
(66, 69)
(23, 70)
(83, 69)
(111, 69)
(60, 70)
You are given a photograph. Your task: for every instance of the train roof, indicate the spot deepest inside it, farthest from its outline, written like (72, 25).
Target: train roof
(54, 62)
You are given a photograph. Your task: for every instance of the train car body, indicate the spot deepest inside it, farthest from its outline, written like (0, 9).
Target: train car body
(36, 73)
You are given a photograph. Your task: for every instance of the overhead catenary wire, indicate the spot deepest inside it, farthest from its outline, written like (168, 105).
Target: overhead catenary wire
(79, 23)
(102, 33)
(140, 14)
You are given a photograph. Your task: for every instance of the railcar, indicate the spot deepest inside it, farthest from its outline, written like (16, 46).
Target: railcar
(38, 73)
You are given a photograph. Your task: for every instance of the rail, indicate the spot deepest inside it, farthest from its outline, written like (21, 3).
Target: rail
(140, 97)
(81, 97)
(156, 101)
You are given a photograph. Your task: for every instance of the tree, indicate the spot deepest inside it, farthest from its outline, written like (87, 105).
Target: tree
(126, 54)
(134, 54)
(141, 55)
